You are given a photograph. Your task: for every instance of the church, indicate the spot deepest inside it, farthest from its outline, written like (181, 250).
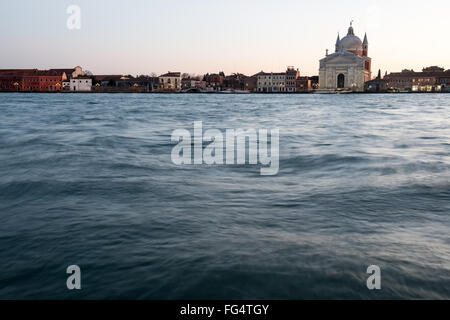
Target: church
(349, 67)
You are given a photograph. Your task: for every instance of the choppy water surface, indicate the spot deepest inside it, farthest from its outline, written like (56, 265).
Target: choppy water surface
(88, 180)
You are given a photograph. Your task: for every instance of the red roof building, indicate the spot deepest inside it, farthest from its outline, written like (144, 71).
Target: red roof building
(31, 80)
(214, 81)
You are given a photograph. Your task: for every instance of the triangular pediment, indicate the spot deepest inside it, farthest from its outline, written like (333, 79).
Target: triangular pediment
(340, 58)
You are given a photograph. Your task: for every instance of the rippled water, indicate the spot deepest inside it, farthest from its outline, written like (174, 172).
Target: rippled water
(88, 180)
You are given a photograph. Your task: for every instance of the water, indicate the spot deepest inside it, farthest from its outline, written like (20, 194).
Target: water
(88, 180)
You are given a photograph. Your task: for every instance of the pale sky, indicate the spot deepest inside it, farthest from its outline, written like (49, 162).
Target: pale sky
(200, 36)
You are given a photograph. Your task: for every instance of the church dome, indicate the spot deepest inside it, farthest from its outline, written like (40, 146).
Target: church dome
(351, 42)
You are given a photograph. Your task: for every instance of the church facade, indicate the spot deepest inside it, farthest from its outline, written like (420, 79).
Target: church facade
(349, 67)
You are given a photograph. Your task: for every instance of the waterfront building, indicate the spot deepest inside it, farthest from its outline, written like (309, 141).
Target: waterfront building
(443, 80)
(376, 85)
(81, 84)
(291, 79)
(431, 79)
(214, 81)
(263, 82)
(11, 79)
(303, 84)
(349, 67)
(186, 83)
(31, 80)
(71, 72)
(139, 84)
(191, 83)
(251, 83)
(66, 85)
(120, 83)
(314, 82)
(238, 81)
(271, 82)
(107, 80)
(296, 83)
(170, 82)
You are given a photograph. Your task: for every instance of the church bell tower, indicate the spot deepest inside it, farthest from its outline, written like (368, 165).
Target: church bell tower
(365, 52)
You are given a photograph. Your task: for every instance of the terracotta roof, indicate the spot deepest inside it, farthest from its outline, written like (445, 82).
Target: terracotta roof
(409, 73)
(82, 78)
(145, 78)
(68, 71)
(30, 72)
(270, 74)
(107, 77)
(16, 71)
(45, 73)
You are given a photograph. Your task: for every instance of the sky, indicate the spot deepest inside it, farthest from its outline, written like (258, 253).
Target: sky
(200, 36)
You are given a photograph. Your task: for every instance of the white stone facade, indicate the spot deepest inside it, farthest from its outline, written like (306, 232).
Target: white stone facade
(348, 68)
(271, 82)
(81, 84)
(343, 70)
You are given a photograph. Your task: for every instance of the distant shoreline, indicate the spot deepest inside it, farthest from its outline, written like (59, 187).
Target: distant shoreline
(225, 94)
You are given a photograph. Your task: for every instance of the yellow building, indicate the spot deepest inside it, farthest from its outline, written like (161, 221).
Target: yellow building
(170, 81)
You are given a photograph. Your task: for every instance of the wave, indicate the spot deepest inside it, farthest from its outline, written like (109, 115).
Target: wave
(325, 161)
